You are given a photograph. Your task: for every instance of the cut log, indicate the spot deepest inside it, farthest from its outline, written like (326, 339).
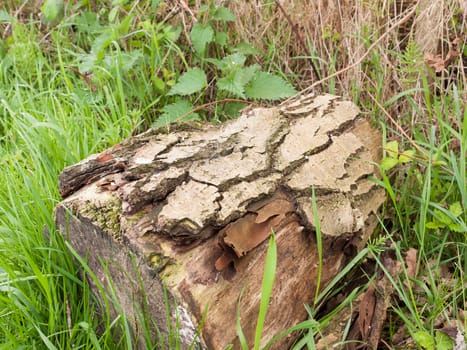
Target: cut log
(192, 209)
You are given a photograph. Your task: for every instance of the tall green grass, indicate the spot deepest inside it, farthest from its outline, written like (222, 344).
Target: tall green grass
(53, 114)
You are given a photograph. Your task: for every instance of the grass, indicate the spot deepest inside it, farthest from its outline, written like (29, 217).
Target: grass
(53, 113)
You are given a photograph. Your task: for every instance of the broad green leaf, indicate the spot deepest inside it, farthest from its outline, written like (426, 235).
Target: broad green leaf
(456, 209)
(425, 340)
(234, 61)
(407, 156)
(87, 22)
(442, 217)
(86, 63)
(247, 73)
(246, 49)
(221, 38)
(201, 36)
(191, 81)
(232, 85)
(392, 149)
(443, 341)
(178, 111)
(224, 14)
(269, 87)
(388, 163)
(52, 11)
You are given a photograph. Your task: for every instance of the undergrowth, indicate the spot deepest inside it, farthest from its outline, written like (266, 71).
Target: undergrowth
(78, 77)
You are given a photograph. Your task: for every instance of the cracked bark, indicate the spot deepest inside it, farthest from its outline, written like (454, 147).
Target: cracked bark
(195, 206)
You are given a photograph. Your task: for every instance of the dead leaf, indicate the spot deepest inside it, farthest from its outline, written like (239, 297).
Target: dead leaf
(366, 312)
(436, 62)
(411, 262)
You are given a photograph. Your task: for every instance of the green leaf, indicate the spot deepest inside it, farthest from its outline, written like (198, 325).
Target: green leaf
(442, 217)
(174, 112)
(388, 163)
(457, 228)
(246, 49)
(443, 341)
(221, 38)
(456, 209)
(192, 81)
(52, 11)
(232, 85)
(201, 36)
(234, 61)
(6, 17)
(425, 340)
(407, 156)
(392, 149)
(267, 86)
(434, 225)
(247, 73)
(224, 14)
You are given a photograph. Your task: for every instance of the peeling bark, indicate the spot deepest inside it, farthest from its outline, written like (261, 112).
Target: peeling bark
(195, 207)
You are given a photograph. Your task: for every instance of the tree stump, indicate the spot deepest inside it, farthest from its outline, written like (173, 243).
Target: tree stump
(192, 209)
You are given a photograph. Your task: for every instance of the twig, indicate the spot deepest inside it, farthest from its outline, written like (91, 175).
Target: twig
(360, 60)
(299, 36)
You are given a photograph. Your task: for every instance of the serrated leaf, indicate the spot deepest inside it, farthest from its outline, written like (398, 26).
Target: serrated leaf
(269, 87)
(201, 36)
(178, 111)
(224, 14)
(425, 340)
(388, 163)
(232, 85)
(52, 11)
(407, 156)
(456, 209)
(192, 81)
(392, 149)
(234, 61)
(219, 64)
(434, 225)
(442, 217)
(457, 228)
(247, 73)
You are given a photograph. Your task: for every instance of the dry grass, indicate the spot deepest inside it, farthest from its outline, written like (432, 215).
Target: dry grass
(365, 42)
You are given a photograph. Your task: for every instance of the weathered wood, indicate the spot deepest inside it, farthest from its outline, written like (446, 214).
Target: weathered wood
(195, 207)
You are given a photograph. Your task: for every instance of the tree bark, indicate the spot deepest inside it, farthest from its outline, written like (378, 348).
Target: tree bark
(192, 208)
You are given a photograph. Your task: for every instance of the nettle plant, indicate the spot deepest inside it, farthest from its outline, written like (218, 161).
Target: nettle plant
(219, 71)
